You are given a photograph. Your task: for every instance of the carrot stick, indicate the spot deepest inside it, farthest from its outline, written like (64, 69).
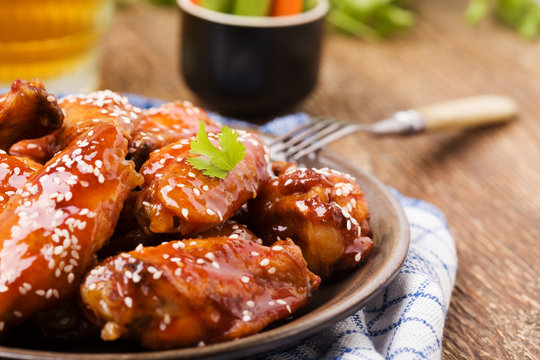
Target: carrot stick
(286, 7)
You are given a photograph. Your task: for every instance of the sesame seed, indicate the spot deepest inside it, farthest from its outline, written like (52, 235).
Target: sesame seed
(264, 262)
(210, 212)
(254, 253)
(185, 212)
(250, 303)
(277, 248)
(246, 318)
(70, 278)
(18, 314)
(178, 244)
(197, 191)
(282, 302)
(200, 261)
(244, 279)
(288, 307)
(272, 270)
(358, 257)
(157, 275)
(136, 278)
(128, 301)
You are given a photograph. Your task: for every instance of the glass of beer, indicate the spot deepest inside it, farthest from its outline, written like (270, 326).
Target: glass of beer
(56, 41)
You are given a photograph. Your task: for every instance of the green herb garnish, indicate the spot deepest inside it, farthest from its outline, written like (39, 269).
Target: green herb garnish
(212, 161)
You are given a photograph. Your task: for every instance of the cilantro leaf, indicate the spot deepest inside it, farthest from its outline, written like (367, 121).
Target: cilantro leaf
(212, 161)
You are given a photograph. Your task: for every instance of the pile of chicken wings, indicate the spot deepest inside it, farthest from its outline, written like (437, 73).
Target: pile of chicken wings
(107, 230)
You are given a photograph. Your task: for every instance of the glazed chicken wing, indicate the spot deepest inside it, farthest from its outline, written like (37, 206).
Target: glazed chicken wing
(27, 111)
(164, 125)
(54, 224)
(184, 292)
(82, 113)
(323, 211)
(176, 197)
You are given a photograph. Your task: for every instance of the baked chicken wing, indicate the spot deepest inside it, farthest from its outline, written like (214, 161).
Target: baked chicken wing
(82, 113)
(27, 111)
(184, 292)
(176, 197)
(164, 125)
(323, 211)
(54, 224)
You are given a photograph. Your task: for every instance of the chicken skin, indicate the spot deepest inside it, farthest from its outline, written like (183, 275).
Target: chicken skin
(323, 211)
(177, 198)
(231, 229)
(54, 224)
(130, 240)
(164, 125)
(186, 292)
(82, 113)
(14, 172)
(27, 111)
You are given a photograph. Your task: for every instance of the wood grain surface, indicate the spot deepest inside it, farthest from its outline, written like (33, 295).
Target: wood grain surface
(487, 181)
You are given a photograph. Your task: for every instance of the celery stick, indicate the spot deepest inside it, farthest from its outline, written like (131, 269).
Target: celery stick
(309, 4)
(252, 7)
(217, 5)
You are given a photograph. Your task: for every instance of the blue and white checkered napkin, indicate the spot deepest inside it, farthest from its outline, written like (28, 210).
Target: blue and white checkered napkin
(406, 320)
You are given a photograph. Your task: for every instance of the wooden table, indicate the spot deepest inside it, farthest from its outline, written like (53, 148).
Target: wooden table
(486, 181)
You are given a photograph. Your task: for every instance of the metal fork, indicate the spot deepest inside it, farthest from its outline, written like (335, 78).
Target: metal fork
(460, 113)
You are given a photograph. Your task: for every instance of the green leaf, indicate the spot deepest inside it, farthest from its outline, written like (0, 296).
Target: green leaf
(212, 161)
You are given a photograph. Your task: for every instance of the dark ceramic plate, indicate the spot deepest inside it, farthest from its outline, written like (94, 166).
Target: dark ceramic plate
(332, 303)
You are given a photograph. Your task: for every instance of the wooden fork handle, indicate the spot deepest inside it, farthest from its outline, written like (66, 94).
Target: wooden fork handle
(468, 112)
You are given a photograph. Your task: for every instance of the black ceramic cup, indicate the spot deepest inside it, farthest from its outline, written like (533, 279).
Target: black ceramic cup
(250, 66)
